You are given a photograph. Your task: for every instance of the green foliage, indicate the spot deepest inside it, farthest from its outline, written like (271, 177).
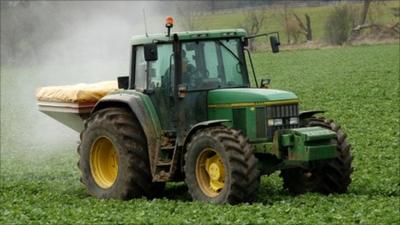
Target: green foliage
(359, 88)
(275, 18)
(339, 24)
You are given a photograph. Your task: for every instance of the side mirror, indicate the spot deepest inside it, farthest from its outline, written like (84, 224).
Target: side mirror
(123, 82)
(150, 52)
(246, 42)
(274, 44)
(265, 83)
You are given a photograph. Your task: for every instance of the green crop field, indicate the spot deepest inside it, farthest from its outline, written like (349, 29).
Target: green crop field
(358, 86)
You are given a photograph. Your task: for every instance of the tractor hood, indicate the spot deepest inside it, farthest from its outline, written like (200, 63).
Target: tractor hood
(242, 97)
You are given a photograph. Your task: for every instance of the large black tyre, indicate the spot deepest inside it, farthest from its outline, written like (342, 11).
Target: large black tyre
(325, 176)
(240, 176)
(114, 160)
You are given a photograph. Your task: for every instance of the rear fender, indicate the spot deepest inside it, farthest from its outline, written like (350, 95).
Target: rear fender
(142, 107)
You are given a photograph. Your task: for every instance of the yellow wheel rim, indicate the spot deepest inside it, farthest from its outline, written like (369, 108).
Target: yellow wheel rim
(210, 172)
(104, 162)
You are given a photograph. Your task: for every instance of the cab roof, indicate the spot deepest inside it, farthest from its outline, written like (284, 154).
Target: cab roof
(189, 35)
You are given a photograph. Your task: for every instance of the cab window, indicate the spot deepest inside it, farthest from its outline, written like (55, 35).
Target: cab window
(159, 70)
(213, 64)
(140, 69)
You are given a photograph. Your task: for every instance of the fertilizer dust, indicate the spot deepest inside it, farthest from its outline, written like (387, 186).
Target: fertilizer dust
(59, 43)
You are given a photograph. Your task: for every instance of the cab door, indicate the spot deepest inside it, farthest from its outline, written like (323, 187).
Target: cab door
(206, 65)
(159, 80)
(198, 74)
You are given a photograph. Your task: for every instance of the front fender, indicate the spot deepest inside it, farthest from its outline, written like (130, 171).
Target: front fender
(193, 130)
(309, 113)
(201, 125)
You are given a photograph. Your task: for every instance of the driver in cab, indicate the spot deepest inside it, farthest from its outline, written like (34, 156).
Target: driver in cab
(188, 71)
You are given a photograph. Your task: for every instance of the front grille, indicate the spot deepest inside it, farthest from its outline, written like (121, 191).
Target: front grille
(261, 124)
(239, 119)
(283, 112)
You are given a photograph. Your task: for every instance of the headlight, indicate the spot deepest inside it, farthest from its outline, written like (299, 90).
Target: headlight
(275, 122)
(293, 120)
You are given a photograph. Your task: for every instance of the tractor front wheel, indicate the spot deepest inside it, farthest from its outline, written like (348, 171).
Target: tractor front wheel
(325, 176)
(220, 167)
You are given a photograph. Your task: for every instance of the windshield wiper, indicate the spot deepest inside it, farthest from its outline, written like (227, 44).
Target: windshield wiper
(230, 51)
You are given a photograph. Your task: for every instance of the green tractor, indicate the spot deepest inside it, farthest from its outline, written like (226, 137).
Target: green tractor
(187, 112)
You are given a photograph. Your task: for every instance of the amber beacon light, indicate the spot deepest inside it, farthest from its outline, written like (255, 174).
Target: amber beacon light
(169, 23)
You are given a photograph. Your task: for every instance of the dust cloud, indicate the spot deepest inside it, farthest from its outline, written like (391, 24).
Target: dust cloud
(58, 43)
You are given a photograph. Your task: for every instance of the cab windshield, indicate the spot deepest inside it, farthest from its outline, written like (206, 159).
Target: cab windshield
(213, 64)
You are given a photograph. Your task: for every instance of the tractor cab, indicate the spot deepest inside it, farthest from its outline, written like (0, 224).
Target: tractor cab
(178, 71)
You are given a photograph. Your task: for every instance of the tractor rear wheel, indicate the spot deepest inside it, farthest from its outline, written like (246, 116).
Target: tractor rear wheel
(113, 160)
(220, 167)
(325, 176)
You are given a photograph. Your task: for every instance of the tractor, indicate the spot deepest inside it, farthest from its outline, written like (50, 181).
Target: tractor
(188, 112)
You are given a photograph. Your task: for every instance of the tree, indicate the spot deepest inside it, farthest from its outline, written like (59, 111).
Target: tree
(339, 24)
(254, 20)
(287, 26)
(375, 28)
(363, 19)
(305, 29)
(364, 12)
